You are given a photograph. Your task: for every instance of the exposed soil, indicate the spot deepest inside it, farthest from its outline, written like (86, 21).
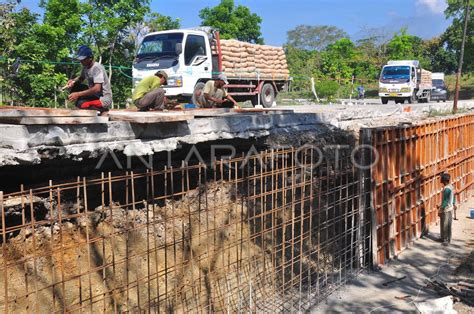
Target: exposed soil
(176, 241)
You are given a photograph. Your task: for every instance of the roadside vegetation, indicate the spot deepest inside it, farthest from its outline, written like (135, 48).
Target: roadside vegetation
(36, 50)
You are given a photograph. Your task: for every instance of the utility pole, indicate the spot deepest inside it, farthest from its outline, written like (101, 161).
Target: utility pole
(467, 13)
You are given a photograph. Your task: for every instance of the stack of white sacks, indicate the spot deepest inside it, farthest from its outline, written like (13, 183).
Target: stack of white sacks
(245, 60)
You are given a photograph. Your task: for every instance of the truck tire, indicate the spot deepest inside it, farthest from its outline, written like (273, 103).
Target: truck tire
(384, 100)
(267, 95)
(199, 87)
(412, 98)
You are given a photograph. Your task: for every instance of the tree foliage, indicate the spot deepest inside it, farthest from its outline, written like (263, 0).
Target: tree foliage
(157, 22)
(452, 37)
(233, 22)
(45, 46)
(314, 37)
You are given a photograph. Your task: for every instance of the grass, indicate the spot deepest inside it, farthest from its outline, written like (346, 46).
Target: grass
(442, 113)
(467, 86)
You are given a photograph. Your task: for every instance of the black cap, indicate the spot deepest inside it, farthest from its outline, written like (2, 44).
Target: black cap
(84, 52)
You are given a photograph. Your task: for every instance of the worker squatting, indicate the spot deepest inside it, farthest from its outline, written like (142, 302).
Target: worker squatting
(96, 94)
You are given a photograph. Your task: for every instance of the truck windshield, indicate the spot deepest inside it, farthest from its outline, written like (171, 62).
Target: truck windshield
(438, 83)
(160, 45)
(399, 74)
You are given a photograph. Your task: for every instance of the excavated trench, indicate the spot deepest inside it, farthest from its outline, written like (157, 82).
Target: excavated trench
(264, 236)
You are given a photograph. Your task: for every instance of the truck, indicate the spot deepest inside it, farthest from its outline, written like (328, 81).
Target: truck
(191, 57)
(405, 80)
(440, 91)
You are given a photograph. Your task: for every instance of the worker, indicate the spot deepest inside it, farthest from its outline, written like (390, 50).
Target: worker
(214, 95)
(148, 94)
(97, 94)
(446, 209)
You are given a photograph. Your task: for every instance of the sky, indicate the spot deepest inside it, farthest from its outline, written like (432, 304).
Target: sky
(424, 18)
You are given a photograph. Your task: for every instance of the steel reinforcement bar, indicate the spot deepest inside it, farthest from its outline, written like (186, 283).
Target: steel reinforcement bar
(277, 231)
(405, 185)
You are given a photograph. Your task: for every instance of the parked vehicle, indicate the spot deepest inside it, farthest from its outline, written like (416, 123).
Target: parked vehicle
(439, 92)
(405, 80)
(191, 57)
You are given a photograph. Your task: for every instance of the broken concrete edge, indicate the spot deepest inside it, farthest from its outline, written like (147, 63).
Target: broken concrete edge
(21, 145)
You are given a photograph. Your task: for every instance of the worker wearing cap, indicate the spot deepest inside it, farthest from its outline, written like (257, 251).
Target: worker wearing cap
(148, 94)
(214, 95)
(97, 94)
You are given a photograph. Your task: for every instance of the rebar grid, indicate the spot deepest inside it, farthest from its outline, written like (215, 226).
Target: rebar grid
(406, 187)
(272, 232)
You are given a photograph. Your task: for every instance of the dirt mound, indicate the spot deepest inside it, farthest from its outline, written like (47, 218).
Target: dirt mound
(189, 254)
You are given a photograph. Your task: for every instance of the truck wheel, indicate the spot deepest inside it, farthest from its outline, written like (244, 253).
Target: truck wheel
(412, 98)
(384, 100)
(197, 91)
(267, 95)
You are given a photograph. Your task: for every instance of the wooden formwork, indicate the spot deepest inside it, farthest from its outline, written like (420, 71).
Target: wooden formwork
(406, 162)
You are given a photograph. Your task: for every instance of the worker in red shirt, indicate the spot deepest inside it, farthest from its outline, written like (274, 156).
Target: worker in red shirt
(97, 93)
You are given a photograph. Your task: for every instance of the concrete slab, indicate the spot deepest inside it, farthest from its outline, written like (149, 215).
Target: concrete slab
(33, 144)
(44, 120)
(148, 117)
(48, 112)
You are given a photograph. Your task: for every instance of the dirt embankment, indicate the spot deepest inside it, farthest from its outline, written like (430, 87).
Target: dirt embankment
(186, 255)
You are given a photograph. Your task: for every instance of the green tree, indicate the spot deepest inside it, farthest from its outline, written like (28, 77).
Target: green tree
(157, 22)
(371, 57)
(314, 37)
(404, 46)
(45, 47)
(37, 81)
(401, 46)
(303, 64)
(441, 58)
(154, 22)
(452, 37)
(107, 28)
(233, 22)
(338, 59)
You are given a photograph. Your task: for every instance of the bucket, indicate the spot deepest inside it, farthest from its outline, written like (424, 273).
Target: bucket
(472, 213)
(190, 106)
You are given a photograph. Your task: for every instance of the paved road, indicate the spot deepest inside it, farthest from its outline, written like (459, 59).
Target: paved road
(372, 105)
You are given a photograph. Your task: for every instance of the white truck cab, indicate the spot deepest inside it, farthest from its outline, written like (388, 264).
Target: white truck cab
(191, 57)
(404, 80)
(185, 55)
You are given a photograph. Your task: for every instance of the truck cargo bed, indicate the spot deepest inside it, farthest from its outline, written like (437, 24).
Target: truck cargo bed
(241, 60)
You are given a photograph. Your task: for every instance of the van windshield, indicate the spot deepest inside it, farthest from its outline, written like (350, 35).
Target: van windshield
(438, 83)
(160, 45)
(398, 74)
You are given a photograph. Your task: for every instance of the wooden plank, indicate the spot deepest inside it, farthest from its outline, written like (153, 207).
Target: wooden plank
(149, 117)
(45, 112)
(208, 112)
(53, 120)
